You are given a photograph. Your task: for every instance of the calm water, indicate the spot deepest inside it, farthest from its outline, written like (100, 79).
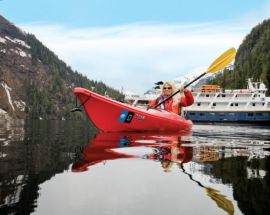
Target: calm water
(67, 167)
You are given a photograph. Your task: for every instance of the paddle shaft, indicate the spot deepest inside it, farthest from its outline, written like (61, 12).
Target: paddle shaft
(179, 90)
(217, 65)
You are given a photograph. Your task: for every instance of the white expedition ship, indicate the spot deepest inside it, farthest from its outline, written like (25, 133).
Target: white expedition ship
(213, 104)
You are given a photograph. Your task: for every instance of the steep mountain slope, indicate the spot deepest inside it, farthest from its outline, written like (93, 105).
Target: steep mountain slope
(34, 82)
(252, 60)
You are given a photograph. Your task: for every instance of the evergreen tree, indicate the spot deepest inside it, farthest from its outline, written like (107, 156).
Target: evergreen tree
(252, 60)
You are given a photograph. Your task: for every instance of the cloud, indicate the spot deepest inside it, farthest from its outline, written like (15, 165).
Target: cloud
(137, 55)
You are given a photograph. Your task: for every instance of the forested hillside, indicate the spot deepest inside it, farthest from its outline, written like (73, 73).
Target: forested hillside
(34, 82)
(62, 80)
(252, 60)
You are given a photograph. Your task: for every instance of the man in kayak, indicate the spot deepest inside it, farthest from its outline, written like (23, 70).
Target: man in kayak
(175, 103)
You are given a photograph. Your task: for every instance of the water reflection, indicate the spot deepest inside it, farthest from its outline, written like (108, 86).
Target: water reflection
(220, 199)
(163, 147)
(215, 169)
(235, 156)
(169, 149)
(214, 162)
(31, 153)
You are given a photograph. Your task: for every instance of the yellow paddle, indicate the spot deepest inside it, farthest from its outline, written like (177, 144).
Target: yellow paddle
(216, 66)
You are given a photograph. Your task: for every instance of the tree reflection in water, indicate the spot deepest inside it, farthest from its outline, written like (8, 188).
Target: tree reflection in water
(33, 152)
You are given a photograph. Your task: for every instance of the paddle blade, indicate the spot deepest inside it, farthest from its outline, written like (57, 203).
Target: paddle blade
(222, 61)
(221, 200)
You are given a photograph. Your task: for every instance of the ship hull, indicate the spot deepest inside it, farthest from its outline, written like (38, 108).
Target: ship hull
(229, 116)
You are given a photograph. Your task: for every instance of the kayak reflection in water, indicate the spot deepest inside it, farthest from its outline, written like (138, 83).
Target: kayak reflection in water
(112, 146)
(175, 103)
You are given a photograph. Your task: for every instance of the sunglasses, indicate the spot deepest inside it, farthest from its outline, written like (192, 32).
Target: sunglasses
(167, 88)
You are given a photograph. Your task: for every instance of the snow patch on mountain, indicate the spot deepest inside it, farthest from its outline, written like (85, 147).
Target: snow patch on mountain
(2, 40)
(8, 89)
(18, 41)
(20, 52)
(181, 81)
(2, 112)
(20, 105)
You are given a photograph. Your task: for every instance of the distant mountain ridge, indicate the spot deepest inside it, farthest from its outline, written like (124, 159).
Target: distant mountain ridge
(34, 82)
(185, 79)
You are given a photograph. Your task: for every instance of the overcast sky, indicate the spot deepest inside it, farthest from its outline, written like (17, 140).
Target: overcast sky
(132, 44)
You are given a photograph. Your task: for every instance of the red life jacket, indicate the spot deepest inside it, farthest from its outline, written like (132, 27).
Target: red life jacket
(185, 100)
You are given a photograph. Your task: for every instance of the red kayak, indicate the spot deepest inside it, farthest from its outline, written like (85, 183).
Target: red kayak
(112, 116)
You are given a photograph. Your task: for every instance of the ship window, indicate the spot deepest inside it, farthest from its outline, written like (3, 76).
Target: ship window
(253, 104)
(231, 104)
(250, 114)
(236, 104)
(223, 95)
(201, 114)
(263, 104)
(212, 114)
(221, 114)
(218, 95)
(192, 114)
(259, 114)
(214, 104)
(199, 104)
(207, 95)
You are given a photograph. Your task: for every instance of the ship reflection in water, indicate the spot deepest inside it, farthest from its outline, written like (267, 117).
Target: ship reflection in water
(51, 168)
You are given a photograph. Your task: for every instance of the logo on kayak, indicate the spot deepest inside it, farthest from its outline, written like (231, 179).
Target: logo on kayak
(139, 116)
(125, 116)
